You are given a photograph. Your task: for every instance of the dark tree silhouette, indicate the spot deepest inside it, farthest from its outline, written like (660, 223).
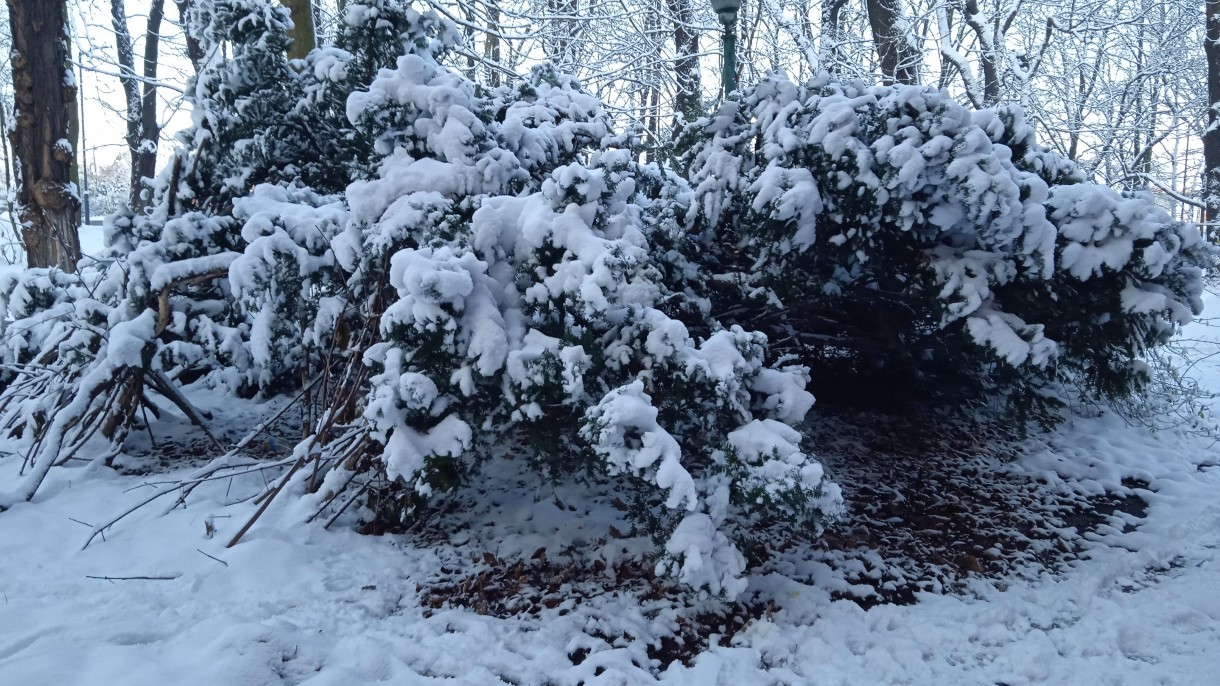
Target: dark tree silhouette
(44, 93)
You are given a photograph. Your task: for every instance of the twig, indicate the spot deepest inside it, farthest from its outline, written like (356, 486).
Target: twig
(207, 473)
(337, 492)
(263, 427)
(346, 505)
(204, 474)
(214, 558)
(276, 417)
(112, 522)
(134, 578)
(263, 508)
(188, 487)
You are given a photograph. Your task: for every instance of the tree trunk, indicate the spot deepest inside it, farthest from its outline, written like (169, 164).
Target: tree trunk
(194, 49)
(44, 91)
(74, 128)
(140, 94)
(472, 63)
(899, 59)
(1211, 136)
(303, 37)
(491, 45)
(9, 172)
(563, 35)
(150, 128)
(987, 31)
(832, 39)
(688, 100)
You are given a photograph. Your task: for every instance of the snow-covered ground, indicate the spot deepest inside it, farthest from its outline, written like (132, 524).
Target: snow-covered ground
(302, 605)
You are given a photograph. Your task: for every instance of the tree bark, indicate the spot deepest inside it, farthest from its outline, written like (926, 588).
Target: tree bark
(303, 37)
(1211, 136)
(831, 53)
(140, 94)
(688, 101)
(150, 128)
(44, 91)
(898, 58)
(74, 129)
(491, 44)
(194, 49)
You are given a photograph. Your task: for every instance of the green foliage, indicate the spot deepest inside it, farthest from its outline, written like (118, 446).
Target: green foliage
(912, 251)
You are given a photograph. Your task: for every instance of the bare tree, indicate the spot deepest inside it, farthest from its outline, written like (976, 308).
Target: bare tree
(896, 47)
(688, 98)
(194, 48)
(563, 32)
(982, 40)
(140, 94)
(1108, 82)
(641, 57)
(44, 90)
(1211, 135)
(1117, 90)
(491, 44)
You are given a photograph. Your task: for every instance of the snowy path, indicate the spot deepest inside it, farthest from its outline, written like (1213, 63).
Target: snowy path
(307, 606)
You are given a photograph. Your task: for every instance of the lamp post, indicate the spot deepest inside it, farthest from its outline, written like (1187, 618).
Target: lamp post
(727, 11)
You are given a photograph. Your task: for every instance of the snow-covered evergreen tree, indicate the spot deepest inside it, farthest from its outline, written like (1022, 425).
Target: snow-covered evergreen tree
(80, 351)
(475, 267)
(889, 232)
(475, 270)
(531, 308)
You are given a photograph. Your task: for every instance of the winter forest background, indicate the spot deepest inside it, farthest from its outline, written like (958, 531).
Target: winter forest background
(1113, 86)
(398, 267)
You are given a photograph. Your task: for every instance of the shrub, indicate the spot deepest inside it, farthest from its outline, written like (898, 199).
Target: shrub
(494, 268)
(889, 233)
(456, 268)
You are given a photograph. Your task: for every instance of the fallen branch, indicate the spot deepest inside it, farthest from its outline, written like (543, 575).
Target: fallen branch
(166, 388)
(214, 558)
(347, 504)
(209, 471)
(260, 429)
(134, 578)
(263, 508)
(205, 474)
(163, 311)
(333, 496)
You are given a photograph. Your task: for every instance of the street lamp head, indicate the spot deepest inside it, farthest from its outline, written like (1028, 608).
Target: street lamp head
(726, 10)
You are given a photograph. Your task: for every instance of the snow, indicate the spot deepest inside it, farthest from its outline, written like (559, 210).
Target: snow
(1012, 339)
(407, 449)
(709, 559)
(536, 302)
(625, 432)
(11, 252)
(303, 605)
